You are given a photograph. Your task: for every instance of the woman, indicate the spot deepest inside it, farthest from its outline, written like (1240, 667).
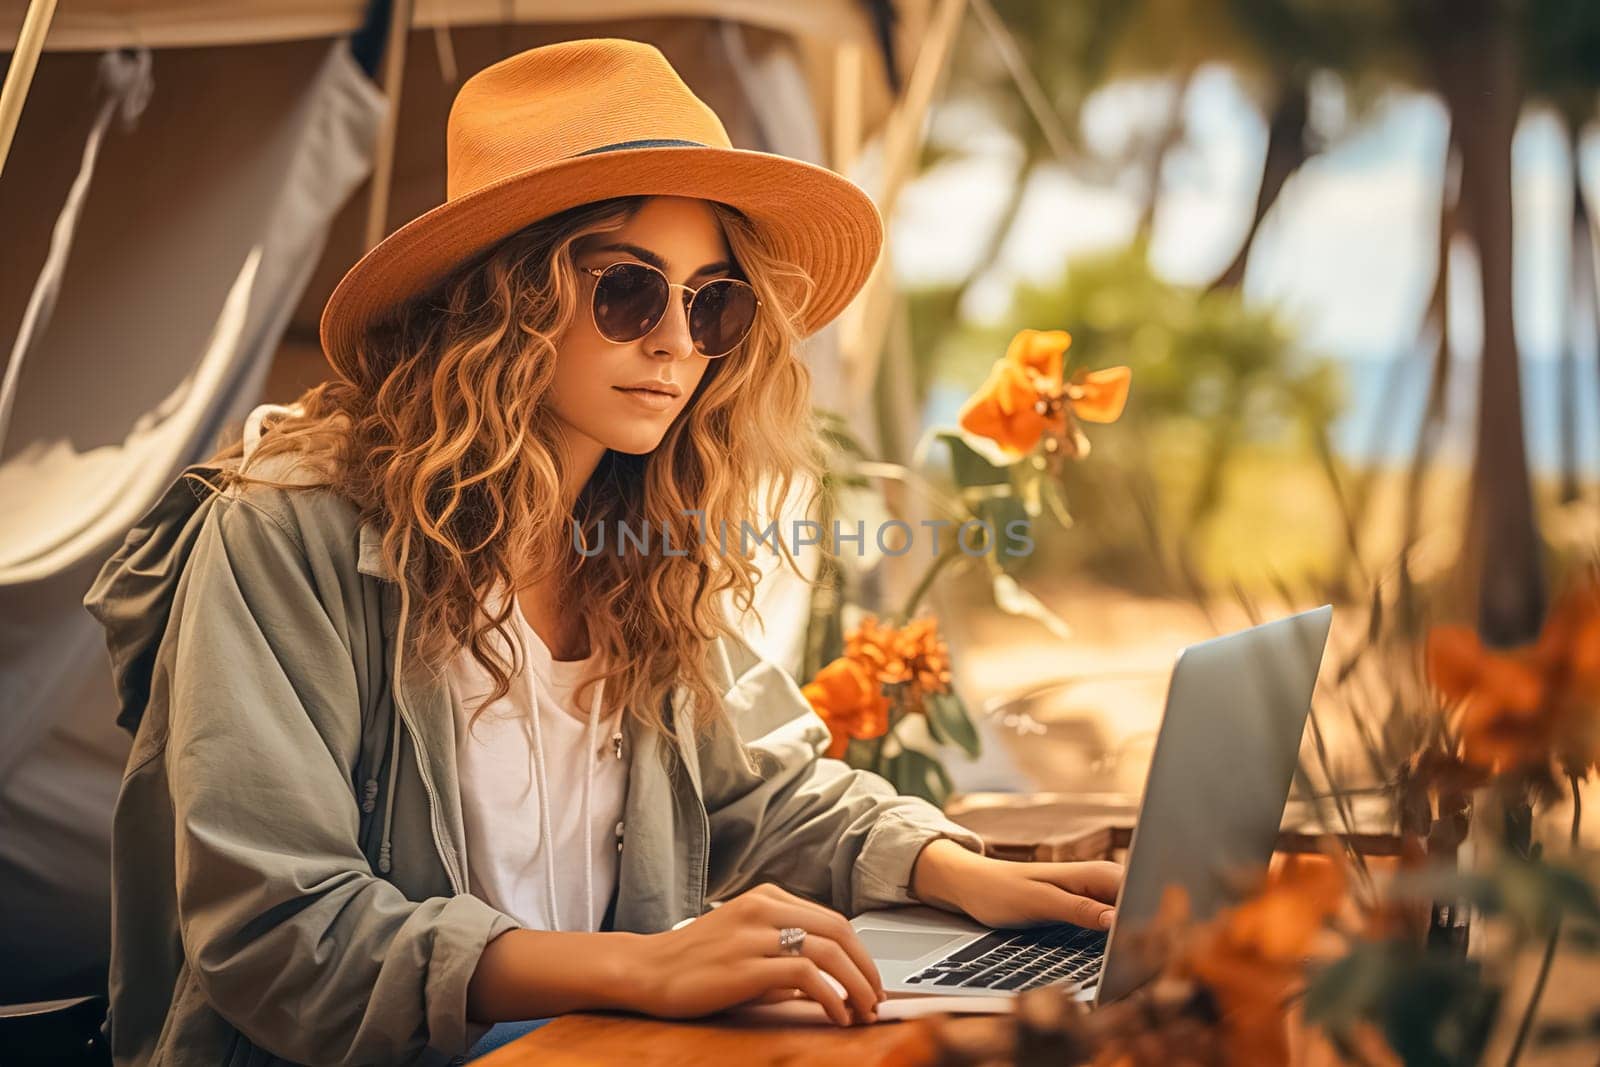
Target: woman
(408, 760)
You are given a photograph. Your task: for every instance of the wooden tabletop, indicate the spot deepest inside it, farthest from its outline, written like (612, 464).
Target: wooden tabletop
(596, 1040)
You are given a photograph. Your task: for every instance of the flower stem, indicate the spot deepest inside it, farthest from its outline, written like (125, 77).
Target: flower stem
(926, 582)
(876, 766)
(1526, 1026)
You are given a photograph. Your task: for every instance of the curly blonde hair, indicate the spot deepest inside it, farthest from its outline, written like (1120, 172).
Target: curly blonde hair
(439, 432)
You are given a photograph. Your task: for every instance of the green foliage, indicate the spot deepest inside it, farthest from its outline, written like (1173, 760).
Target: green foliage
(1535, 896)
(1433, 1008)
(949, 723)
(992, 493)
(1434, 1005)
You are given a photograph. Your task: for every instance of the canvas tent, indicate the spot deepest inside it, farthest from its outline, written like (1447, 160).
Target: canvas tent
(216, 215)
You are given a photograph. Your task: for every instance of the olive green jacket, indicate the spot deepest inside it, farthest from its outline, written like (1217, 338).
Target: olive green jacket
(289, 871)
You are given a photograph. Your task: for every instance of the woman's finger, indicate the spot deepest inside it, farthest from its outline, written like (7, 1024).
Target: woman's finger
(797, 972)
(1050, 902)
(786, 909)
(827, 954)
(1100, 880)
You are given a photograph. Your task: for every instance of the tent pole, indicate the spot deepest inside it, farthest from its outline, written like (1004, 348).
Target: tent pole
(383, 163)
(30, 42)
(866, 320)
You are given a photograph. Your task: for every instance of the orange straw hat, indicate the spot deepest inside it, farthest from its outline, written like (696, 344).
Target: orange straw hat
(572, 123)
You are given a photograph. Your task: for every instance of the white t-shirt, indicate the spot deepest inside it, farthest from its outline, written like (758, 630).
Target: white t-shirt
(500, 803)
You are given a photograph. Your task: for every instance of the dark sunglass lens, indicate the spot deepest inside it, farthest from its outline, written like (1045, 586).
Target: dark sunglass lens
(721, 316)
(628, 301)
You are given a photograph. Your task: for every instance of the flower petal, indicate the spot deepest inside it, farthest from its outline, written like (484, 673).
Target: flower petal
(1455, 660)
(1100, 396)
(1040, 351)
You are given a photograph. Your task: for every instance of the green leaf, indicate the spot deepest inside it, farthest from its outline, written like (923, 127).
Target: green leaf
(990, 494)
(1535, 895)
(1433, 1008)
(949, 723)
(968, 467)
(935, 730)
(1346, 991)
(917, 774)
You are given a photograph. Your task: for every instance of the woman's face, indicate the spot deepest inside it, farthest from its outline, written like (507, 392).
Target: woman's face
(611, 395)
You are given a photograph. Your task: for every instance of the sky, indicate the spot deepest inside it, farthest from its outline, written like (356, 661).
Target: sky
(1346, 254)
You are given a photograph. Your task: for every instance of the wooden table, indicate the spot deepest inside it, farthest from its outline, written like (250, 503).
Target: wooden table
(594, 1040)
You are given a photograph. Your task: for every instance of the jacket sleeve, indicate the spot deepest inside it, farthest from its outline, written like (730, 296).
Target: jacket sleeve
(811, 824)
(291, 937)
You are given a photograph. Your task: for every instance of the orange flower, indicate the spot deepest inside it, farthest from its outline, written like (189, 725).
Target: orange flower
(1025, 397)
(913, 656)
(851, 702)
(1252, 957)
(927, 660)
(1521, 708)
(1500, 696)
(874, 646)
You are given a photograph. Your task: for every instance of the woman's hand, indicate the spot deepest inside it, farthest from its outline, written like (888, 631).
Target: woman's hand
(1004, 893)
(730, 956)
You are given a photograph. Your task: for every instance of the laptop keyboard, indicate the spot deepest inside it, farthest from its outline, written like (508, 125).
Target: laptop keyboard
(1020, 959)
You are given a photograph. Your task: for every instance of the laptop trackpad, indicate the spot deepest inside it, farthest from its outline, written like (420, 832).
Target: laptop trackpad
(905, 944)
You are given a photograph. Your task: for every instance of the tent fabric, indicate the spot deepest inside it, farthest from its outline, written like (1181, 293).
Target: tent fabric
(127, 77)
(817, 28)
(208, 266)
(100, 24)
(192, 252)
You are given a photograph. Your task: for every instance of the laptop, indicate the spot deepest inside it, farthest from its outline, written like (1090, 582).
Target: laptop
(1224, 759)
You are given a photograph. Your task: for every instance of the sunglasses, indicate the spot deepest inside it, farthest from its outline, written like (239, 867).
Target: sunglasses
(630, 298)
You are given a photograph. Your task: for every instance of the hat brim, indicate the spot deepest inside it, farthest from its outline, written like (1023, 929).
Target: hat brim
(815, 218)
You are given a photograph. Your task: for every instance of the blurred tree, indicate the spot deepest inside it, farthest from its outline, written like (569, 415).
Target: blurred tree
(1563, 65)
(1470, 51)
(1289, 44)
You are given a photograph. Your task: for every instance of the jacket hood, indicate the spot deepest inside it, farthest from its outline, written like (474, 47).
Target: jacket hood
(132, 595)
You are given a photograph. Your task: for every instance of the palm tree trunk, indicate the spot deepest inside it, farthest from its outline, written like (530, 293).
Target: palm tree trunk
(1583, 301)
(1476, 62)
(1172, 130)
(1287, 151)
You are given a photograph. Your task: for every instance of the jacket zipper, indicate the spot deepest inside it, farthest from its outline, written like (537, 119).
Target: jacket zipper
(705, 818)
(705, 854)
(457, 883)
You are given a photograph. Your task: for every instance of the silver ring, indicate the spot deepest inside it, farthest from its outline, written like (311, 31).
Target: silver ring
(790, 940)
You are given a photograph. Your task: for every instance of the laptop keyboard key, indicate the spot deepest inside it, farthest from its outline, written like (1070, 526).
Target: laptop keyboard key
(984, 944)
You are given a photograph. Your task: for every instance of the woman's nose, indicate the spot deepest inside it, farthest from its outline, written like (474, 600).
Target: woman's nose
(670, 339)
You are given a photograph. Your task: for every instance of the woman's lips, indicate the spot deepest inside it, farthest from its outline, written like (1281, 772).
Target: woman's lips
(649, 399)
